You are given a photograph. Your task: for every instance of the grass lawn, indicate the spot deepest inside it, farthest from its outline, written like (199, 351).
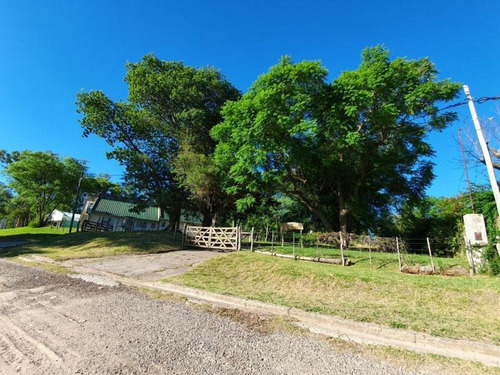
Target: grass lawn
(58, 244)
(362, 257)
(461, 307)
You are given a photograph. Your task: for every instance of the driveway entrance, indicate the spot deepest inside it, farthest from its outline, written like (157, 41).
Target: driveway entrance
(149, 267)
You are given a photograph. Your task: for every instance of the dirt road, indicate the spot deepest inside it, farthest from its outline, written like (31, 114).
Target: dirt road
(55, 324)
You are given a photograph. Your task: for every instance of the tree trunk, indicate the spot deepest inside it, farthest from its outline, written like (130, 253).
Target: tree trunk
(207, 215)
(324, 220)
(174, 215)
(343, 209)
(316, 211)
(343, 215)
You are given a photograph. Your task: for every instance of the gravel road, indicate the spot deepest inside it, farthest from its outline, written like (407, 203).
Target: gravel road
(55, 324)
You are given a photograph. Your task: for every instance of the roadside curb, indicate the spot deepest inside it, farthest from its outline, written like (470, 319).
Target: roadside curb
(345, 329)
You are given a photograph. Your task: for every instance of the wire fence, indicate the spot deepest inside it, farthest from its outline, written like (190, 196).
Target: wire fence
(408, 253)
(439, 246)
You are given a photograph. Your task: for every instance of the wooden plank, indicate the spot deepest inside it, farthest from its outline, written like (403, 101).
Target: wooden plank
(221, 238)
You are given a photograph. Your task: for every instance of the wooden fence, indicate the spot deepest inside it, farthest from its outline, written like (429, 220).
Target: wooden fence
(219, 238)
(94, 226)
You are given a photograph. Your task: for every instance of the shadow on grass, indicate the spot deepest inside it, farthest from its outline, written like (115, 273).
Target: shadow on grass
(8, 252)
(42, 243)
(386, 263)
(362, 260)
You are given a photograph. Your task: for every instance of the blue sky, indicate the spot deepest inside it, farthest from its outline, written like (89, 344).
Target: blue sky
(51, 50)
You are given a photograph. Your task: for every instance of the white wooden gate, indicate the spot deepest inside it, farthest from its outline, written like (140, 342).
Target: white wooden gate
(220, 238)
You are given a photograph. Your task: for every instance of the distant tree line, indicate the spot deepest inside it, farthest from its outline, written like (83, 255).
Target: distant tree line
(40, 182)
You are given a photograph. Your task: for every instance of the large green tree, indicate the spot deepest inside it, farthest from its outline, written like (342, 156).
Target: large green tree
(101, 185)
(42, 182)
(171, 108)
(5, 199)
(349, 149)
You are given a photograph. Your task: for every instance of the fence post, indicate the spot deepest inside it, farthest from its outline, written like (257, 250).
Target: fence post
(342, 249)
(293, 242)
(238, 238)
(184, 235)
(399, 254)
(301, 244)
(430, 253)
(251, 240)
(209, 238)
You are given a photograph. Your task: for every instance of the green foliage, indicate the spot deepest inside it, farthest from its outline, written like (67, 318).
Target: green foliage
(5, 199)
(170, 106)
(348, 150)
(197, 173)
(42, 182)
(442, 219)
(101, 185)
(266, 215)
(437, 218)
(493, 260)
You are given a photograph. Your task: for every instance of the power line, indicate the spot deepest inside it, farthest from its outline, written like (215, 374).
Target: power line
(480, 100)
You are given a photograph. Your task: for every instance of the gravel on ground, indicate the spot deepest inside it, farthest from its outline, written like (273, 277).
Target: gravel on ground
(57, 324)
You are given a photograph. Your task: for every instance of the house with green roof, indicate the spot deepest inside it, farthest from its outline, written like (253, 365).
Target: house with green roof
(105, 213)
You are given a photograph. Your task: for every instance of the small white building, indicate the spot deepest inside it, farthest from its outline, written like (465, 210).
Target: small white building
(62, 219)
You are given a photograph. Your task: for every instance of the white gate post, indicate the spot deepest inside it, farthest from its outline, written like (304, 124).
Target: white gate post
(210, 238)
(184, 235)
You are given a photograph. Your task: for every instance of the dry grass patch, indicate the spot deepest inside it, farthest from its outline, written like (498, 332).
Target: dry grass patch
(158, 294)
(464, 308)
(54, 268)
(264, 324)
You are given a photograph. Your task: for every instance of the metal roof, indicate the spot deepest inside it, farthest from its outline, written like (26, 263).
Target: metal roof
(123, 209)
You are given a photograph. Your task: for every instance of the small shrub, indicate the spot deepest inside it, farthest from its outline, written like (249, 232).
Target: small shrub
(34, 224)
(490, 254)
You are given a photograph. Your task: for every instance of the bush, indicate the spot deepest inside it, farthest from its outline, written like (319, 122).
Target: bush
(34, 224)
(490, 254)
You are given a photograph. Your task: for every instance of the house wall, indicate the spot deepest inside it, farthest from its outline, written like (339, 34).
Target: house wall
(143, 225)
(120, 223)
(116, 222)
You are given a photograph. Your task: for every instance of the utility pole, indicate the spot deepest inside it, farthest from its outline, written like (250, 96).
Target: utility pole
(484, 149)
